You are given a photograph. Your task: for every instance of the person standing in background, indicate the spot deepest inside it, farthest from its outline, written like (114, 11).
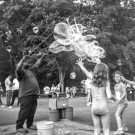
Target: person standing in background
(46, 90)
(88, 84)
(71, 91)
(53, 89)
(57, 90)
(8, 85)
(74, 91)
(15, 91)
(1, 91)
(67, 92)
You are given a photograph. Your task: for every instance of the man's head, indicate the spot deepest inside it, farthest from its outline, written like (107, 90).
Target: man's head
(26, 65)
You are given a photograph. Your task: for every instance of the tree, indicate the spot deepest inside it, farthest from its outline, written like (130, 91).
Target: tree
(112, 21)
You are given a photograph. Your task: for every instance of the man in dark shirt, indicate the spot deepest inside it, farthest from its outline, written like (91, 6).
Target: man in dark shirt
(28, 91)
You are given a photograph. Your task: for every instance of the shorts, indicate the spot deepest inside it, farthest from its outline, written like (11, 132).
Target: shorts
(123, 103)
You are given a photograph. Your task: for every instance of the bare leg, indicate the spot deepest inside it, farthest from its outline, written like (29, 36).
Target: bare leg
(106, 124)
(88, 98)
(118, 115)
(123, 120)
(96, 121)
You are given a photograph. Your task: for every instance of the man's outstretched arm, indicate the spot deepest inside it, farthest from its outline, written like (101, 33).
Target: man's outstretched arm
(20, 64)
(37, 64)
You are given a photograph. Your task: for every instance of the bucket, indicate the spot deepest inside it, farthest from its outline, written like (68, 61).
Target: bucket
(54, 115)
(68, 113)
(45, 128)
(61, 113)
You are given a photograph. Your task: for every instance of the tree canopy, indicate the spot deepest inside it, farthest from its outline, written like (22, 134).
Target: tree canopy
(112, 21)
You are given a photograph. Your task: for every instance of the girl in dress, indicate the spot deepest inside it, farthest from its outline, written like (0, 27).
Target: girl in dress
(100, 90)
(121, 100)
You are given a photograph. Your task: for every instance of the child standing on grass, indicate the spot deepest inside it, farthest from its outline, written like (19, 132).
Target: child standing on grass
(121, 100)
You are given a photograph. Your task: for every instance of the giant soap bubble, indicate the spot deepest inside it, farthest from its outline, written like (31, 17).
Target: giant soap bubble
(69, 38)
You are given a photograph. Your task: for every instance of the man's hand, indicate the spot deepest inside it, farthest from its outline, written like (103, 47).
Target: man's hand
(25, 57)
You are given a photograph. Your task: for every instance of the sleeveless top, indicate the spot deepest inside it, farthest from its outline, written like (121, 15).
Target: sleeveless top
(119, 92)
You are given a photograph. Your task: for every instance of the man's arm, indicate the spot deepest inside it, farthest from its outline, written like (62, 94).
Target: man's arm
(37, 64)
(18, 71)
(20, 64)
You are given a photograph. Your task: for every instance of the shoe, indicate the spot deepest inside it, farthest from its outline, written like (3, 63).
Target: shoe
(118, 132)
(2, 105)
(10, 107)
(125, 128)
(32, 127)
(88, 104)
(22, 131)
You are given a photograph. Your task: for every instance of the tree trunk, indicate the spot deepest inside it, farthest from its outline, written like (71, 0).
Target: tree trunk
(61, 76)
(61, 79)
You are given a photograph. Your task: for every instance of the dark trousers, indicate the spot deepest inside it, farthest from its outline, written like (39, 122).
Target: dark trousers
(28, 106)
(9, 96)
(0, 97)
(14, 95)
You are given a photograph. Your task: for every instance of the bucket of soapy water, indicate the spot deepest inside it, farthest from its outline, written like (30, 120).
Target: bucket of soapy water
(45, 128)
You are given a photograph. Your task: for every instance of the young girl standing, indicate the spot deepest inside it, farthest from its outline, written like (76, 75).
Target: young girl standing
(100, 91)
(121, 100)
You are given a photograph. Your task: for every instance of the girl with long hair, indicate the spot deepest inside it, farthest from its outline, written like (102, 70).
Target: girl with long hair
(121, 100)
(100, 91)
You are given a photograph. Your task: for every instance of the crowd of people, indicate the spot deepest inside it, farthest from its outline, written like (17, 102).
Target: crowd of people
(70, 92)
(53, 90)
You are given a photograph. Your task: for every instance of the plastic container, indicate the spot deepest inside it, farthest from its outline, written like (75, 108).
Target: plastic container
(61, 113)
(68, 113)
(54, 115)
(130, 95)
(45, 128)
